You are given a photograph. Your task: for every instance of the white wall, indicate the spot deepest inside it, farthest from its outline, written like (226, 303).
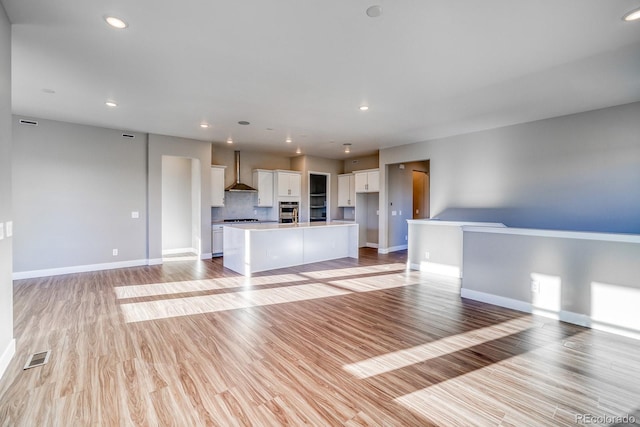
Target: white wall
(74, 189)
(176, 203)
(159, 146)
(577, 172)
(581, 280)
(7, 343)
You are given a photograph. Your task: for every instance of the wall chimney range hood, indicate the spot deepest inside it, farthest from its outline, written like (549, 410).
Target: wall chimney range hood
(239, 186)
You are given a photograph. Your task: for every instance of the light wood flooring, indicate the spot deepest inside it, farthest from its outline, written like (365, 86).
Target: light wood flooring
(346, 342)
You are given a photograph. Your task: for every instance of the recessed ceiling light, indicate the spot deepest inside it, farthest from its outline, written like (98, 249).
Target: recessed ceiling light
(634, 15)
(204, 125)
(364, 108)
(243, 122)
(298, 151)
(110, 104)
(288, 140)
(229, 141)
(347, 148)
(116, 22)
(374, 11)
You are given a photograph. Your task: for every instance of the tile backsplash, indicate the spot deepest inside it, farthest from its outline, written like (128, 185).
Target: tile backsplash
(241, 205)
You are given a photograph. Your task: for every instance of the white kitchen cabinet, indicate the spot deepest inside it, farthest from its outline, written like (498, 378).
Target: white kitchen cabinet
(367, 181)
(217, 185)
(263, 182)
(288, 183)
(346, 190)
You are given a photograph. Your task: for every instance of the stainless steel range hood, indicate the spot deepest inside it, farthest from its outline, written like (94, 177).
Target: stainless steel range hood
(239, 186)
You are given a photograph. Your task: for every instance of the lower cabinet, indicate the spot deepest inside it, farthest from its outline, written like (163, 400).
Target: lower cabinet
(217, 240)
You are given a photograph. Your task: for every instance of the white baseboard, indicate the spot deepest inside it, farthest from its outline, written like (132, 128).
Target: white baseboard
(179, 251)
(370, 245)
(393, 249)
(563, 315)
(79, 269)
(511, 303)
(207, 255)
(154, 261)
(7, 355)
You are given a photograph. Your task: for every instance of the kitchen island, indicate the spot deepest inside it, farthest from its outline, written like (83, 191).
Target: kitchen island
(250, 248)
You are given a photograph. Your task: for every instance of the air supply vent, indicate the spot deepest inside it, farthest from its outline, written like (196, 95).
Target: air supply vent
(128, 135)
(28, 122)
(37, 359)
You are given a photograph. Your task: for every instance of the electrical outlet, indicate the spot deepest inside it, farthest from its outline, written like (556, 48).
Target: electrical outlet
(9, 228)
(115, 252)
(427, 255)
(400, 213)
(406, 238)
(394, 213)
(535, 286)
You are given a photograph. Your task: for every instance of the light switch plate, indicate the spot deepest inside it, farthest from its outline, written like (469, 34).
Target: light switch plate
(9, 227)
(135, 214)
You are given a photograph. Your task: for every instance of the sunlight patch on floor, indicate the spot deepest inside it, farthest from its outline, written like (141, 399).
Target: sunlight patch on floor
(151, 310)
(376, 283)
(154, 289)
(402, 358)
(353, 271)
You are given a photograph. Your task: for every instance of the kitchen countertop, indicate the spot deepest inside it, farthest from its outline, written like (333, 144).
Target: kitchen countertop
(279, 226)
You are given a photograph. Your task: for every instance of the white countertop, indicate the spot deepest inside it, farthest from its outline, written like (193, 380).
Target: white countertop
(454, 223)
(278, 226)
(564, 234)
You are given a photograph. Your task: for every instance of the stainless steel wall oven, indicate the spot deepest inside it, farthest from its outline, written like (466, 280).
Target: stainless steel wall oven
(288, 212)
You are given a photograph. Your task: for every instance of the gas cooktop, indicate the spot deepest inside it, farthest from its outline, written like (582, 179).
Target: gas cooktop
(241, 220)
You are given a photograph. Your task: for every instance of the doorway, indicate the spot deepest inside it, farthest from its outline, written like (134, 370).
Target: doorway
(421, 208)
(319, 189)
(180, 208)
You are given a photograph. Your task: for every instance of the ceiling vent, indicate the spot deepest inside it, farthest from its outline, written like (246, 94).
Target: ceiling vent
(28, 122)
(128, 135)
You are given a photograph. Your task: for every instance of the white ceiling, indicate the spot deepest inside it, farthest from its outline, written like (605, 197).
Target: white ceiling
(426, 68)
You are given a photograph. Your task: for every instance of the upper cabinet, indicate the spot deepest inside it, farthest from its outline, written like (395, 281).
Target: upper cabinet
(288, 183)
(367, 181)
(263, 182)
(346, 190)
(217, 185)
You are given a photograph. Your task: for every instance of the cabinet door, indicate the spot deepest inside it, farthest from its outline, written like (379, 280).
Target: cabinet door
(361, 182)
(346, 191)
(373, 181)
(283, 184)
(295, 184)
(217, 240)
(263, 182)
(217, 186)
